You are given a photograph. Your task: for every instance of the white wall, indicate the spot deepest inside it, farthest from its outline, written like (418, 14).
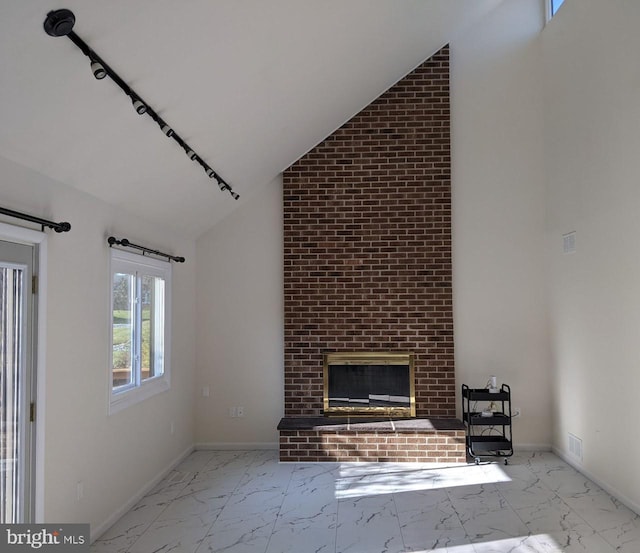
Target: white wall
(114, 456)
(499, 210)
(592, 84)
(240, 316)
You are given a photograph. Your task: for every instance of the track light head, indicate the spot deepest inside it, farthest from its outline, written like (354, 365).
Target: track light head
(139, 106)
(221, 185)
(166, 129)
(233, 194)
(211, 173)
(98, 70)
(59, 22)
(191, 154)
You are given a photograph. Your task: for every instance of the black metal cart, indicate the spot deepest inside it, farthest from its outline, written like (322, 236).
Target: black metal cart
(488, 435)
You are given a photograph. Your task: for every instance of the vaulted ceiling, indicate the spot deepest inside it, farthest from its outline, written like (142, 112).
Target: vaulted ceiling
(251, 84)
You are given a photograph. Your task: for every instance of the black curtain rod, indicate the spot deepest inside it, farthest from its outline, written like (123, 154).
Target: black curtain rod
(126, 244)
(58, 227)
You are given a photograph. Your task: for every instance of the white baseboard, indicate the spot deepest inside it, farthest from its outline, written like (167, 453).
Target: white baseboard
(635, 507)
(226, 446)
(102, 528)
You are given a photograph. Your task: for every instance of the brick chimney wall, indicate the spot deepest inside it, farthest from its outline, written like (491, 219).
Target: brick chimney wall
(367, 243)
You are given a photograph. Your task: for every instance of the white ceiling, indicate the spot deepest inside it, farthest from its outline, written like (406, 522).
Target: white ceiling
(251, 85)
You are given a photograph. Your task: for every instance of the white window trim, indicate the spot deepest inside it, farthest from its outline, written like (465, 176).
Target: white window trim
(144, 390)
(547, 11)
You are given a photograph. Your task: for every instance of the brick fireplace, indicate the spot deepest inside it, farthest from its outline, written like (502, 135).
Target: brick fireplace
(367, 266)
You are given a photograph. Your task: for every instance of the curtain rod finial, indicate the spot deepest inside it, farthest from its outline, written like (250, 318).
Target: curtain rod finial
(63, 227)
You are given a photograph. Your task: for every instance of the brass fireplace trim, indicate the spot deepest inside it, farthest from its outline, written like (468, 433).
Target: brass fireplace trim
(370, 358)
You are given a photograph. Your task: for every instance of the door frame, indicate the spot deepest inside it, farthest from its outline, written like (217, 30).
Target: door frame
(21, 235)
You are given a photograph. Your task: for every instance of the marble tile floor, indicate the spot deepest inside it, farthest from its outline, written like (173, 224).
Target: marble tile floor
(248, 502)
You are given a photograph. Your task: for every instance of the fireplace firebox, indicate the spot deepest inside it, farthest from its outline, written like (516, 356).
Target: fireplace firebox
(369, 383)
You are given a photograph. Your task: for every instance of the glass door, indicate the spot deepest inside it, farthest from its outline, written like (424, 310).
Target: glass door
(16, 382)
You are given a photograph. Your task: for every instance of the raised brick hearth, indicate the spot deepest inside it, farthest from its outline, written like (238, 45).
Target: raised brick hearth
(342, 440)
(367, 258)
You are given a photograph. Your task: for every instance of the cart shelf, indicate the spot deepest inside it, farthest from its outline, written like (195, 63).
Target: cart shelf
(482, 394)
(478, 419)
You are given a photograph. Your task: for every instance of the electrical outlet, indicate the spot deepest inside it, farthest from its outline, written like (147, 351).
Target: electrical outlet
(79, 490)
(516, 412)
(172, 428)
(240, 411)
(205, 391)
(233, 412)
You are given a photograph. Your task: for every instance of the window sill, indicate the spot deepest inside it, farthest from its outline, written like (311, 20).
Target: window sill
(127, 398)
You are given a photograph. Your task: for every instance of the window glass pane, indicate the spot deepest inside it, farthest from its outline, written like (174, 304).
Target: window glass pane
(123, 325)
(555, 5)
(152, 362)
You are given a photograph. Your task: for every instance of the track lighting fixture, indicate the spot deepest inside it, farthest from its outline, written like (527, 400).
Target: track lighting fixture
(98, 71)
(60, 23)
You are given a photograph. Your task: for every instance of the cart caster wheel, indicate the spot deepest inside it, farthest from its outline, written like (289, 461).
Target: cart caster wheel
(506, 461)
(477, 460)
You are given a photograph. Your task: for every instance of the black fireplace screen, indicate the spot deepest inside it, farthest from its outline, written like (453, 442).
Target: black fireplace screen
(369, 383)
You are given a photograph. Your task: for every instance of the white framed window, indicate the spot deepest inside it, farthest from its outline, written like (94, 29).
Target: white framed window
(140, 328)
(552, 7)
